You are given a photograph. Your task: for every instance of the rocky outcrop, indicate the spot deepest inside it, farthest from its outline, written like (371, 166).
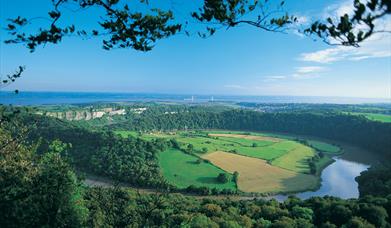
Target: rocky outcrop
(84, 114)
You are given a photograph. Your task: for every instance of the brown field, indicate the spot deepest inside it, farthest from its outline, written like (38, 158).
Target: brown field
(255, 175)
(252, 137)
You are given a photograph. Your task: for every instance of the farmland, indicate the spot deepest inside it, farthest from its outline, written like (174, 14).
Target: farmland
(183, 170)
(265, 163)
(256, 175)
(324, 147)
(295, 159)
(373, 116)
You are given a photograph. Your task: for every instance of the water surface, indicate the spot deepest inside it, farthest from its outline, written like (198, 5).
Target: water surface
(49, 98)
(338, 179)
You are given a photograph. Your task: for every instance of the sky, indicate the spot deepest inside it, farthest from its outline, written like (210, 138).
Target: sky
(238, 61)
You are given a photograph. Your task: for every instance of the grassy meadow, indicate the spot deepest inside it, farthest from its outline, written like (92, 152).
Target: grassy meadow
(324, 147)
(373, 116)
(183, 170)
(295, 159)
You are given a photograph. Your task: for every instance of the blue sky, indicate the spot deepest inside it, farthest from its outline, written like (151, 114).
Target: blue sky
(238, 61)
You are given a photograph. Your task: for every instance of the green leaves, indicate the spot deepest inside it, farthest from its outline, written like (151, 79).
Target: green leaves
(354, 29)
(54, 14)
(122, 27)
(136, 30)
(230, 13)
(11, 77)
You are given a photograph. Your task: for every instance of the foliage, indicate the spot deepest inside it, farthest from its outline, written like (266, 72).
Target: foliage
(126, 26)
(41, 190)
(375, 181)
(118, 206)
(130, 160)
(123, 26)
(10, 78)
(350, 30)
(222, 178)
(355, 130)
(231, 13)
(37, 191)
(374, 116)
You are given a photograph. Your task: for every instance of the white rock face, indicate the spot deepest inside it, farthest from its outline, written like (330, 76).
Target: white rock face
(138, 110)
(87, 114)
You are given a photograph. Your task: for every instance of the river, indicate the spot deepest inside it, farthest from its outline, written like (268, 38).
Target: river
(338, 179)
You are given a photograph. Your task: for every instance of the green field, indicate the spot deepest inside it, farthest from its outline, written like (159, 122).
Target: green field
(374, 116)
(324, 147)
(182, 170)
(264, 150)
(295, 159)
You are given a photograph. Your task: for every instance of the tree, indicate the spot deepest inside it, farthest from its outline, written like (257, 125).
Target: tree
(17, 172)
(375, 181)
(358, 222)
(302, 212)
(222, 178)
(190, 148)
(57, 193)
(120, 25)
(35, 191)
(235, 177)
(175, 144)
(10, 78)
(123, 26)
(351, 30)
(201, 221)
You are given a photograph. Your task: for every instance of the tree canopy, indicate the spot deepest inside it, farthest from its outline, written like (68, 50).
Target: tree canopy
(124, 25)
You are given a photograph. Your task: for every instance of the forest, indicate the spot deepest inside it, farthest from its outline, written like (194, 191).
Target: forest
(54, 153)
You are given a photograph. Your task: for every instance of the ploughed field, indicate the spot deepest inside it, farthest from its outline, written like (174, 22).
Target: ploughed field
(263, 163)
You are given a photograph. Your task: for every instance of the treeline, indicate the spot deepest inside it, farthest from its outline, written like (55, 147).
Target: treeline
(375, 181)
(43, 191)
(119, 208)
(103, 153)
(357, 130)
(130, 160)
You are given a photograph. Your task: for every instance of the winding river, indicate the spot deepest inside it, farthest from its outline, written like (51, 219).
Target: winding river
(338, 179)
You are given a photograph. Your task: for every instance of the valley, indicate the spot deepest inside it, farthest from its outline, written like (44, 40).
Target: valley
(264, 164)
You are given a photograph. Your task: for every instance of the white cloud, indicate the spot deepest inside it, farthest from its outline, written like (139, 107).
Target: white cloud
(304, 72)
(309, 69)
(308, 72)
(234, 87)
(273, 78)
(323, 56)
(377, 46)
(340, 9)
